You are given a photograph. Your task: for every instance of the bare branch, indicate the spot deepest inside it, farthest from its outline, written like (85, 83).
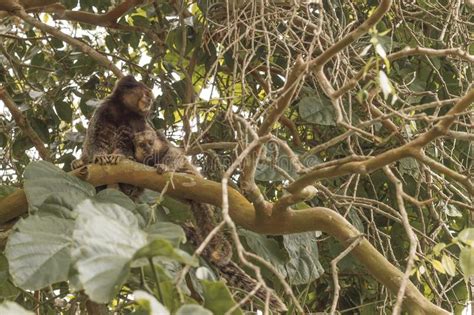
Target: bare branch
(24, 125)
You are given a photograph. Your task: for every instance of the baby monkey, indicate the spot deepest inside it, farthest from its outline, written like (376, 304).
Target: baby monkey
(153, 149)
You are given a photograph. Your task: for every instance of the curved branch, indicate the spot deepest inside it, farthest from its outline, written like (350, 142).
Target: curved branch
(243, 213)
(411, 148)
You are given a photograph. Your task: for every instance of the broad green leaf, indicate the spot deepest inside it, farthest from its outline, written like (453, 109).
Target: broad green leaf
(7, 290)
(448, 265)
(149, 304)
(64, 110)
(115, 196)
(164, 249)
(317, 110)
(466, 261)
(12, 308)
(43, 179)
(217, 297)
(438, 266)
(168, 231)
(267, 248)
(438, 248)
(304, 266)
(38, 251)
(193, 309)
(59, 206)
(106, 237)
(467, 236)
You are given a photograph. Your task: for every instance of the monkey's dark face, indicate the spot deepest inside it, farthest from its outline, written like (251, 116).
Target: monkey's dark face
(144, 143)
(134, 95)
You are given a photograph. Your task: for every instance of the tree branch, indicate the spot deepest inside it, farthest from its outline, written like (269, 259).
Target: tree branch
(411, 148)
(243, 213)
(322, 59)
(24, 125)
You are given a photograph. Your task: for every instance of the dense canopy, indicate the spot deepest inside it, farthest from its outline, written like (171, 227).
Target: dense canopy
(334, 136)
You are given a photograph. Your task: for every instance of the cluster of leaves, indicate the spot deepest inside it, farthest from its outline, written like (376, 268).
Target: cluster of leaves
(76, 240)
(243, 59)
(105, 245)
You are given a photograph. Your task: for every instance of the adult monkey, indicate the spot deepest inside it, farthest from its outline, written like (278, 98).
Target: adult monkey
(109, 137)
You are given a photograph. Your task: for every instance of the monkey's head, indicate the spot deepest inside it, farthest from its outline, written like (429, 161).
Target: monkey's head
(134, 95)
(147, 145)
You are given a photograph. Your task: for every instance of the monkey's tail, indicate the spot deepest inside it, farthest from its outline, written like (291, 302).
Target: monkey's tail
(234, 275)
(237, 277)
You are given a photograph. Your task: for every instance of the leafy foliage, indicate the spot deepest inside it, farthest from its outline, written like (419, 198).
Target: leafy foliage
(210, 65)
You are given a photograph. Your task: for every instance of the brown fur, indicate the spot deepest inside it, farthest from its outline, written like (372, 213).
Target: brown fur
(153, 149)
(114, 123)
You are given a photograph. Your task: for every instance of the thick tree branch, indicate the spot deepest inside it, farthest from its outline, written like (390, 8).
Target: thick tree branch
(276, 111)
(243, 213)
(24, 125)
(411, 148)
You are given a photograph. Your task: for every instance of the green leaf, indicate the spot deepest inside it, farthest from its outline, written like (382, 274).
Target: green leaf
(63, 110)
(38, 251)
(438, 266)
(267, 248)
(43, 179)
(149, 304)
(193, 309)
(106, 237)
(12, 308)
(141, 21)
(217, 297)
(467, 236)
(59, 206)
(448, 265)
(304, 266)
(317, 110)
(466, 261)
(7, 290)
(168, 231)
(117, 197)
(438, 248)
(164, 249)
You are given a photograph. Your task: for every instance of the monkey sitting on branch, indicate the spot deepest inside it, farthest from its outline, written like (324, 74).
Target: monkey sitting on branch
(109, 137)
(153, 149)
